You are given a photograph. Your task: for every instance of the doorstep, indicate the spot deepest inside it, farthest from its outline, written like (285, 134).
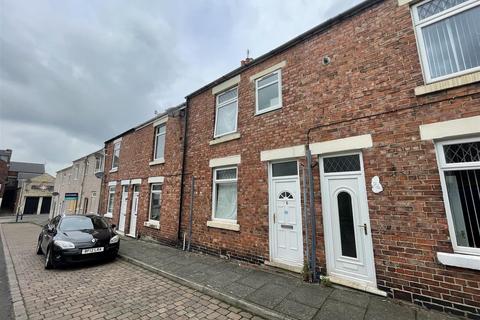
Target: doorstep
(264, 291)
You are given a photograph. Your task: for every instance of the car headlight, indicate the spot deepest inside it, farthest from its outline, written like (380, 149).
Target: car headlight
(114, 239)
(64, 244)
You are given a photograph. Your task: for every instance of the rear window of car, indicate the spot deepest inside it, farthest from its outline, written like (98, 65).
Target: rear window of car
(82, 223)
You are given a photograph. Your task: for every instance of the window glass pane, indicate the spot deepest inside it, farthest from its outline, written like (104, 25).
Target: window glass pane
(161, 129)
(111, 199)
(285, 169)
(268, 79)
(156, 187)
(226, 201)
(227, 174)
(452, 44)
(436, 6)
(342, 163)
(463, 188)
(155, 206)
(462, 152)
(226, 121)
(160, 146)
(347, 231)
(268, 97)
(231, 94)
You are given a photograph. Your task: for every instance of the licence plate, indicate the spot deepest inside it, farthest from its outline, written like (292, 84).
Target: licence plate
(92, 250)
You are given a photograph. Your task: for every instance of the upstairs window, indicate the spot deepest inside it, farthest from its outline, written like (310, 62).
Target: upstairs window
(268, 92)
(98, 164)
(226, 112)
(159, 151)
(459, 163)
(448, 35)
(116, 155)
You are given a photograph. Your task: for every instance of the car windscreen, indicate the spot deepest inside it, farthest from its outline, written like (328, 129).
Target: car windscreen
(82, 223)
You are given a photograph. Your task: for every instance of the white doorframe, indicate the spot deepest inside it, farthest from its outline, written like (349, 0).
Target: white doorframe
(123, 209)
(296, 267)
(134, 212)
(367, 283)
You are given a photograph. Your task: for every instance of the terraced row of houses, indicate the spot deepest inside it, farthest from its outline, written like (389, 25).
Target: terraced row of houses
(351, 151)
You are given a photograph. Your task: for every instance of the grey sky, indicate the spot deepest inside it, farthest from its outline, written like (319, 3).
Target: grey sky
(75, 73)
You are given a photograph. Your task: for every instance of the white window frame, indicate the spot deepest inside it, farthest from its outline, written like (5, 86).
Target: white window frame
(257, 88)
(418, 25)
(111, 190)
(116, 148)
(214, 192)
(77, 172)
(223, 104)
(98, 164)
(443, 166)
(150, 220)
(157, 134)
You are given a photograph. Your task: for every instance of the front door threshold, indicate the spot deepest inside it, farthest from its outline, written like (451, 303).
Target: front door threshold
(284, 266)
(357, 285)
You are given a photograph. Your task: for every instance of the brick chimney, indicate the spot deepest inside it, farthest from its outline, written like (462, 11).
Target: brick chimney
(246, 61)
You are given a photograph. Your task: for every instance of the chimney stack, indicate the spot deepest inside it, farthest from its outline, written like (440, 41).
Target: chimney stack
(246, 61)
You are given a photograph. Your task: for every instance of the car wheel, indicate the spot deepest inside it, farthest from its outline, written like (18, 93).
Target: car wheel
(49, 259)
(39, 246)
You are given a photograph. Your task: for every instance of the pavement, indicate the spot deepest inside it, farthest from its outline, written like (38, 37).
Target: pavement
(6, 310)
(39, 219)
(114, 290)
(266, 292)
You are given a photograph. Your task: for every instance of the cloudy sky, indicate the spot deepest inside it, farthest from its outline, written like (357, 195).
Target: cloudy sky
(75, 73)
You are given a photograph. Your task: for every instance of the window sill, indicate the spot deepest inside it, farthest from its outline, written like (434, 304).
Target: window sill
(223, 225)
(459, 260)
(152, 224)
(114, 170)
(259, 113)
(448, 84)
(225, 138)
(157, 161)
(108, 215)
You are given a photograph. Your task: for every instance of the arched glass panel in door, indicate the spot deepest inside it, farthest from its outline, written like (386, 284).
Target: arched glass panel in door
(347, 231)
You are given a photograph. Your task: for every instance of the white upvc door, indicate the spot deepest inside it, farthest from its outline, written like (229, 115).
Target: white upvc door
(348, 240)
(123, 209)
(286, 236)
(133, 215)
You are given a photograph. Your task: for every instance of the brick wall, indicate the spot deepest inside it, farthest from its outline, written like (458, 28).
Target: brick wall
(135, 154)
(367, 89)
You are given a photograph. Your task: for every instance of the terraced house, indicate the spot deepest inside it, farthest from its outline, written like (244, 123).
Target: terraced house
(142, 175)
(379, 109)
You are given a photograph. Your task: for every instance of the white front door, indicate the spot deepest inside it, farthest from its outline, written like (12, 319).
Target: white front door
(286, 237)
(123, 209)
(133, 215)
(348, 239)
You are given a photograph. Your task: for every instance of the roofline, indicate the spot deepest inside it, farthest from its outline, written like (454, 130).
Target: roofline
(69, 167)
(287, 45)
(166, 112)
(88, 155)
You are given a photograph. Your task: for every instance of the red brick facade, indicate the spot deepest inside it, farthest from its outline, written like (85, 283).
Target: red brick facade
(366, 89)
(136, 152)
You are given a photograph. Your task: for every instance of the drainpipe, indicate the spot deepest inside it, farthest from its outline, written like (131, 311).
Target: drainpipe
(313, 262)
(83, 182)
(182, 176)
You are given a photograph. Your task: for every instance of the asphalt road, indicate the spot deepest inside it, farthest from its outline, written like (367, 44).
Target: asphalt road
(115, 290)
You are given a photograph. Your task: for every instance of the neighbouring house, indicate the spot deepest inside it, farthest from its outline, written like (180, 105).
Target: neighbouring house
(5, 156)
(363, 132)
(385, 98)
(18, 172)
(143, 172)
(78, 186)
(35, 194)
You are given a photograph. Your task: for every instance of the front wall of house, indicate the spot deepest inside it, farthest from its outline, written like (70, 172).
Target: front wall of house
(136, 152)
(373, 71)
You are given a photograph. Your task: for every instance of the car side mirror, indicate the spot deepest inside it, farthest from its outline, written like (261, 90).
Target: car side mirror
(113, 225)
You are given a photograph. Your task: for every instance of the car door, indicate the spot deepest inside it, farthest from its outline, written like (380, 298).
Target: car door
(49, 232)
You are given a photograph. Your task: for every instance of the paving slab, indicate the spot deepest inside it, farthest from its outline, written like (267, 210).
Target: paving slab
(270, 295)
(313, 296)
(337, 310)
(379, 309)
(355, 298)
(296, 310)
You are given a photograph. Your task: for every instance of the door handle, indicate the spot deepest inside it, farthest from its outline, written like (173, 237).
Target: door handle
(364, 226)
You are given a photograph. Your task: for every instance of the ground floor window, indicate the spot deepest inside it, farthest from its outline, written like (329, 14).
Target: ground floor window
(111, 199)
(225, 194)
(155, 201)
(459, 163)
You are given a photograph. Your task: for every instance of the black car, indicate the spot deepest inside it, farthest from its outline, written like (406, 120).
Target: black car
(77, 238)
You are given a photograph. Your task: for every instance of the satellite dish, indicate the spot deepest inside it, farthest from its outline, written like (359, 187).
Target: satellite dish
(99, 174)
(55, 193)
